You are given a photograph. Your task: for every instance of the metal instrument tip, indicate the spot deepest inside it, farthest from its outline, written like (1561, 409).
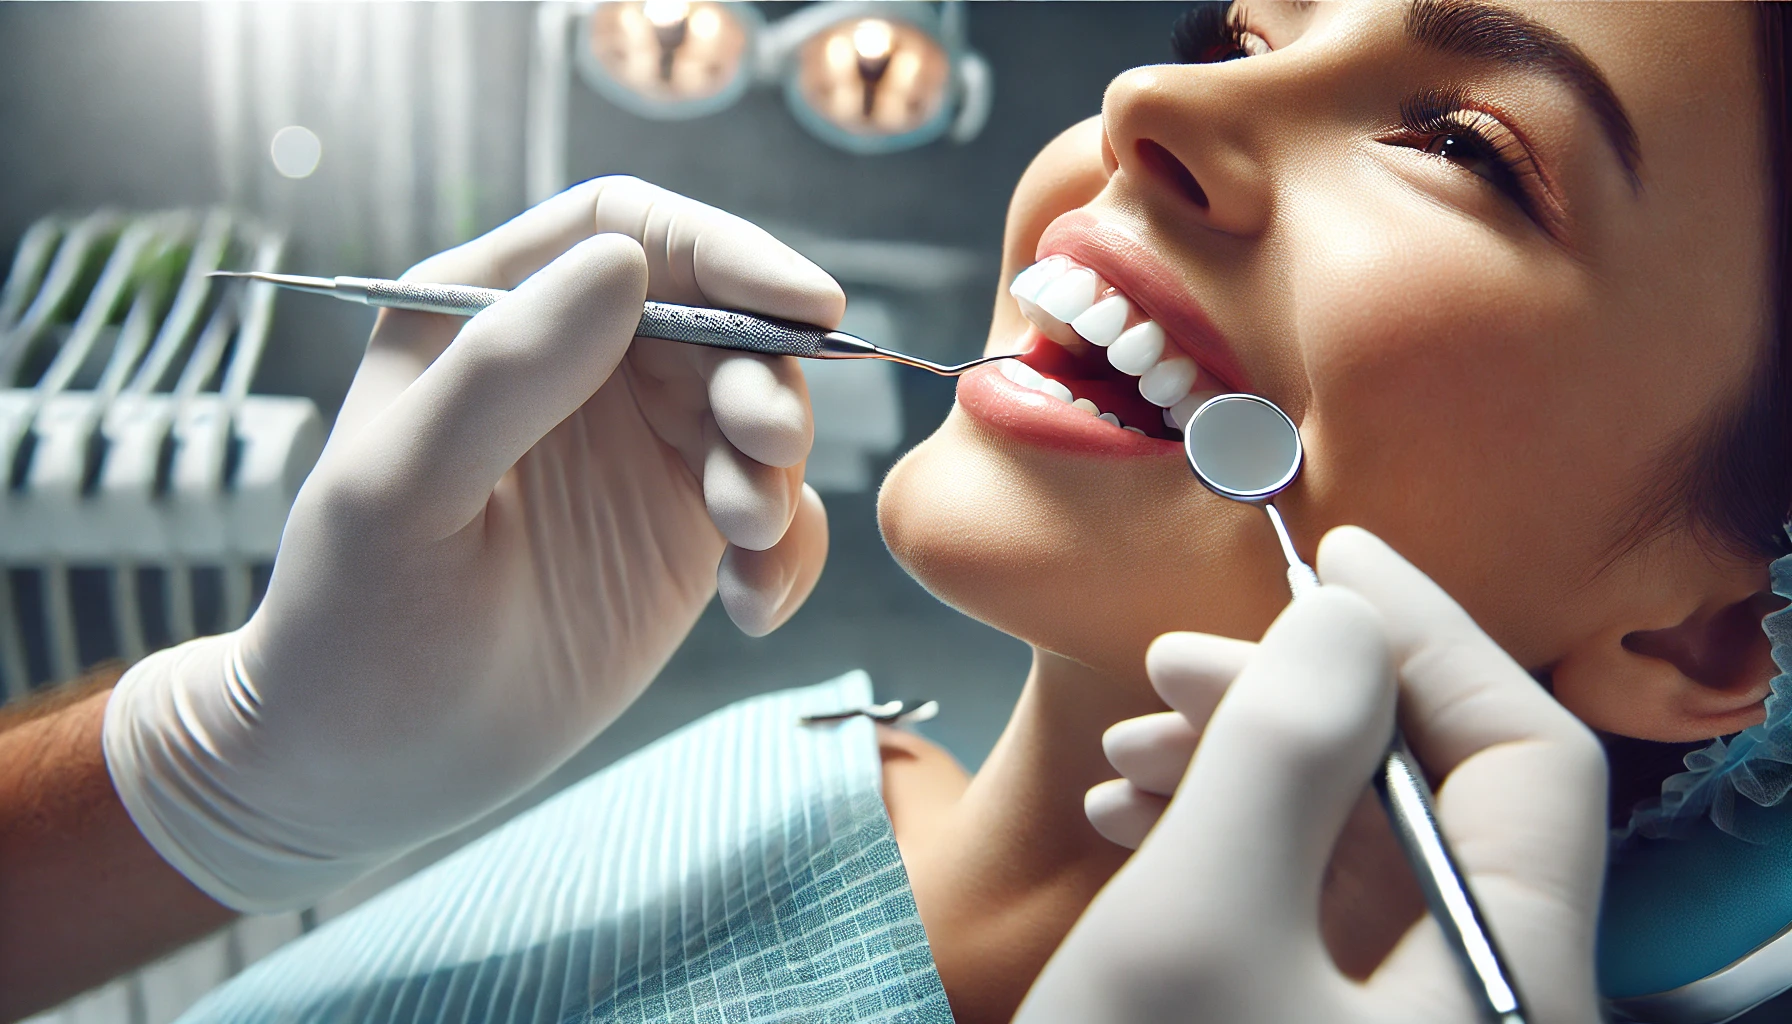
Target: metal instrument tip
(319, 285)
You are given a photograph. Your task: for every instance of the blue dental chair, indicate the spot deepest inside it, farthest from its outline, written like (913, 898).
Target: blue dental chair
(1698, 930)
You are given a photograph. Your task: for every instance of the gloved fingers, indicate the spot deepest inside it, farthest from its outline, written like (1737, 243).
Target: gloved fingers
(750, 502)
(1152, 751)
(699, 255)
(696, 255)
(695, 252)
(1280, 765)
(508, 254)
(760, 590)
(1461, 693)
(430, 460)
(1123, 813)
(761, 403)
(1527, 822)
(1523, 803)
(1533, 852)
(1216, 917)
(1191, 671)
(404, 342)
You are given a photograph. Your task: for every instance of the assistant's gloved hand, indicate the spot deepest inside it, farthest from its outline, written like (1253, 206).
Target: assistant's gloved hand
(513, 526)
(1216, 918)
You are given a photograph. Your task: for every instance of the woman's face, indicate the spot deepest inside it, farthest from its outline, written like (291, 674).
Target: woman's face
(1499, 261)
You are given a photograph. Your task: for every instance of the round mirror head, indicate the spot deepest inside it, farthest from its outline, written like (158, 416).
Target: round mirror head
(1242, 447)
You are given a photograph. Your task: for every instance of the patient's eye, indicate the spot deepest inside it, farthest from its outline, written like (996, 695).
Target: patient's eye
(1470, 152)
(1444, 124)
(1209, 33)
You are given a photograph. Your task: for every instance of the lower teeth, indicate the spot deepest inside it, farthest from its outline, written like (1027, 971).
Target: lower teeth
(1033, 380)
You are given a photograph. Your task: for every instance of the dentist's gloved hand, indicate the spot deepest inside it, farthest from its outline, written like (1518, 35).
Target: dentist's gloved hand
(516, 521)
(1216, 918)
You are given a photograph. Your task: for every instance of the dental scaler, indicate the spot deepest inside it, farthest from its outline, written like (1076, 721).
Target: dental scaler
(693, 325)
(1247, 449)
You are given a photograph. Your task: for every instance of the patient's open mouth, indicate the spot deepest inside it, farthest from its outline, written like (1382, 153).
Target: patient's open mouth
(1103, 356)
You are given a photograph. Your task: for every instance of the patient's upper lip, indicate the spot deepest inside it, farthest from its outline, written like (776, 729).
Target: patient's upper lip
(1139, 274)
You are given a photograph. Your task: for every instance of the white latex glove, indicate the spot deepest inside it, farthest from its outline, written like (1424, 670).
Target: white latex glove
(1216, 918)
(515, 523)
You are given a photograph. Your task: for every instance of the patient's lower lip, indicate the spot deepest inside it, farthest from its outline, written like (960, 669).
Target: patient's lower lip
(1039, 421)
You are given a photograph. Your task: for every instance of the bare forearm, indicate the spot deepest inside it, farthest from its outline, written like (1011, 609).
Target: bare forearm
(82, 895)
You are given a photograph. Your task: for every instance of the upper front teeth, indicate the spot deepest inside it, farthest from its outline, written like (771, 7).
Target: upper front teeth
(1138, 350)
(1053, 292)
(1066, 302)
(1070, 295)
(1101, 323)
(1030, 284)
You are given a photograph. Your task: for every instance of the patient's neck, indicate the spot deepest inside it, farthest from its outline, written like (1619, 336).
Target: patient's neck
(1000, 876)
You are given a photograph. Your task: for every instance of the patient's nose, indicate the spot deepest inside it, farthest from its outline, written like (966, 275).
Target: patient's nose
(1184, 137)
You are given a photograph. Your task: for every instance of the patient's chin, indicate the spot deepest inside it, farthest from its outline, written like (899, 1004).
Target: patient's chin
(1051, 558)
(949, 519)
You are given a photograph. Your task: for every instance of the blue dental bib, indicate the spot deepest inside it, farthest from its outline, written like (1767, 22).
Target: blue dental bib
(741, 870)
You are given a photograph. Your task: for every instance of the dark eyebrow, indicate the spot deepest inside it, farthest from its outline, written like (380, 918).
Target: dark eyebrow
(1479, 30)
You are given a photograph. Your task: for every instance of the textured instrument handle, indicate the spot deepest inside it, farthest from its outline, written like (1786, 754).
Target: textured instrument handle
(696, 325)
(726, 328)
(454, 299)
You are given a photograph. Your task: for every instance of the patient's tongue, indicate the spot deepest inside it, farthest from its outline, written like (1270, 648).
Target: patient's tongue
(1055, 360)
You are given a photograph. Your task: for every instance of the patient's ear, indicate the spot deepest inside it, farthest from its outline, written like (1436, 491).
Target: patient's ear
(1702, 677)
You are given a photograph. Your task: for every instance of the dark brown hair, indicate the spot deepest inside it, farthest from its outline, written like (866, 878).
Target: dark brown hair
(1731, 483)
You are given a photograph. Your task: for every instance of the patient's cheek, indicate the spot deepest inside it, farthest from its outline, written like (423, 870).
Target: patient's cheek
(1446, 382)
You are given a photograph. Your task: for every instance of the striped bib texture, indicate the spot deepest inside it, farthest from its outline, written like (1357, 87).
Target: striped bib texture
(740, 870)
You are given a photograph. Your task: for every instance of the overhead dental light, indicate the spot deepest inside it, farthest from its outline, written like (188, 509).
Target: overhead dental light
(867, 77)
(871, 85)
(669, 59)
(873, 40)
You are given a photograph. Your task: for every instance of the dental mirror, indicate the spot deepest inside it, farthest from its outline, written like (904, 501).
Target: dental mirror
(1247, 449)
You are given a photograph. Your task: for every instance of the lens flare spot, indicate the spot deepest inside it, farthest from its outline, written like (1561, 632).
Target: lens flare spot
(296, 151)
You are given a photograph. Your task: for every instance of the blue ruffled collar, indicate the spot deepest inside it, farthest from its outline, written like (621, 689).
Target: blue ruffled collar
(1755, 764)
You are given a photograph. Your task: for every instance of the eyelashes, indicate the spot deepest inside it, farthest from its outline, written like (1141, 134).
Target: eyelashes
(1445, 124)
(1209, 33)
